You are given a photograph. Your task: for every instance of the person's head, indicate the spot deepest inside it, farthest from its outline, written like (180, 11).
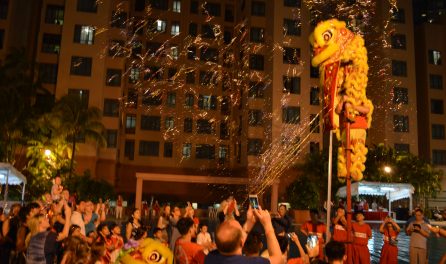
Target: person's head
(28, 211)
(176, 211)
(115, 229)
(89, 207)
(158, 233)
(80, 207)
(359, 216)
(136, 215)
(92, 234)
(166, 210)
(97, 251)
(141, 233)
(74, 230)
(38, 223)
(15, 209)
(419, 214)
(283, 243)
(253, 244)
(103, 230)
(335, 252)
(282, 210)
(340, 211)
(186, 226)
(314, 215)
(58, 180)
(204, 228)
(230, 237)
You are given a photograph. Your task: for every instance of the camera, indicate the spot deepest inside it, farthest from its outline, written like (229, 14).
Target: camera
(312, 241)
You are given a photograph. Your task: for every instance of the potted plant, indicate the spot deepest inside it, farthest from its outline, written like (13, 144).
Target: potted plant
(302, 195)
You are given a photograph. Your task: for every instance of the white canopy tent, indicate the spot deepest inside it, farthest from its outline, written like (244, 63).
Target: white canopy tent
(9, 175)
(392, 191)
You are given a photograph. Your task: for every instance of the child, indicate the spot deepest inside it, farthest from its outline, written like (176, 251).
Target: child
(361, 235)
(389, 252)
(57, 189)
(204, 238)
(117, 241)
(158, 234)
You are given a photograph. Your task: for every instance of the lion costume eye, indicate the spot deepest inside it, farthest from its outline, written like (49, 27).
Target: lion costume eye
(154, 257)
(327, 35)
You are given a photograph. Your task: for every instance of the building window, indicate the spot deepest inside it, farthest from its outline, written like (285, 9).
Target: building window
(257, 8)
(212, 9)
(194, 7)
(190, 77)
(113, 77)
(83, 95)
(227, 37)
(256, 62)
(140, 5)
(134, 75)
(314, 96)
(225, 106)
(224, 130)
(89, 6)
(54, 14)
(129, 149)
(84, 34)
(189, 101)
(229, 13)
(132, 98)
(255, 117)
(188, 125)
(159, 4)
(439, 157)
(398, 41)
(314, 147)
(4, 4)
(398, 15)
(176, 7)
(291, 27)
(152, 123)
(291, 85)
(291, 55)
(2, 37)
(169, 123)
(255, 146)
(111, 107)
(223, 153)
(171, 74)
(399, 68)
(257, 35)
(208, 54)
(171, 99)
(205, 151)
(205, 126)
(119, 19)
(187, 150)
(435, 57)
(80, 66)
(435, 81)
(116, 48)
(191, 53)
(256, 89)
(291, 115)
(207, 102)
(175, 29)
(437, 106)
(292, 3)
(149, 148)
(400, 95)
(50, 43)
(130, 124)
(400, 123)
(48, 73)
(153, 73)
(438, 131)
(314, 72)
(193, 29)
(402, 148)
(207, 78)
(111, 136)
(207, 31)
(314, 123)
(168, 149)
(174, 52)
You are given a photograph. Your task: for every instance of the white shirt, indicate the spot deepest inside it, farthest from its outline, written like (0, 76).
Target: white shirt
(76, 219)
(204, 238)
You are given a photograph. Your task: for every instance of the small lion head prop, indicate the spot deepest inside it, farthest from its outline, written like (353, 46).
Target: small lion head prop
(148, 251)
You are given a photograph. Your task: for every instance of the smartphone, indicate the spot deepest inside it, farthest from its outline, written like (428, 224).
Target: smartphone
(312, 241)
(417, 225)
(254, 201)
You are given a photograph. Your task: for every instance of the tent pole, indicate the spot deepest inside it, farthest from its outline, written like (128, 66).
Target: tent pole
(390, 206)
(330, 161)
(23, 193)
(5, 197)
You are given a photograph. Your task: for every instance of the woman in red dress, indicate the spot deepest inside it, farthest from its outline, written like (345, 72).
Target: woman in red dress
(389, 251)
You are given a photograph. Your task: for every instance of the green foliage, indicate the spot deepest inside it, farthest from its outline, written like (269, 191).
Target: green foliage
(88, 188)
(303, 193)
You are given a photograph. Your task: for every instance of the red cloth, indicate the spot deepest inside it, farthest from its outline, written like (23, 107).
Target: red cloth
(361, 254)
(361, 234)
(339, 233)
(188, 253)
(318, 229)
(295, 261)
(389, 254)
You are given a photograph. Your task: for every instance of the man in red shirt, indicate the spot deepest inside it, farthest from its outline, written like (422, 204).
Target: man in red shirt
(361, 235)
(187, 252)
(317, 228)
(340, 226)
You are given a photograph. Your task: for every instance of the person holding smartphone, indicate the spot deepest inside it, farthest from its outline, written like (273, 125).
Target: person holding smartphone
(317, 228)
(389, 252)
(418, 231)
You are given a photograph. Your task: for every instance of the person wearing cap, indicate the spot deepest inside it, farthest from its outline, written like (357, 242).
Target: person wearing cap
(361, 235)
(317, 228)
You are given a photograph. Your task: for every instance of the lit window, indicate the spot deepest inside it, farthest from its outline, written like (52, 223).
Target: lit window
(175, 29)
(169, 123)
(435, 57)
(174, 52)
(187, 150)
(84, 34)
(177, 6)
(134, 75)
(160, 25)
(223, 152)
(171, 99)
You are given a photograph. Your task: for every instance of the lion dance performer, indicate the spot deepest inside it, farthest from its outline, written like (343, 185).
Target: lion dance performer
(342, 61)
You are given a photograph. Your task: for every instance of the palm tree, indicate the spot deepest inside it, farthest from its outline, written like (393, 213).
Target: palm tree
(77, 121)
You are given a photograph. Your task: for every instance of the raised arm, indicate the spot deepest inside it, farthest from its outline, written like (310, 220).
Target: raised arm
(275, 255)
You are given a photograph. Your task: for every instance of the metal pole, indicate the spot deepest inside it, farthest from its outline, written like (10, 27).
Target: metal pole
(23, 194)
(349, 189)
(5, 197)
(330, 165)
(390, 206)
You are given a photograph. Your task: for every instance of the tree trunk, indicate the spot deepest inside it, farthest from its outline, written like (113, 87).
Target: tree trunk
(72, 157)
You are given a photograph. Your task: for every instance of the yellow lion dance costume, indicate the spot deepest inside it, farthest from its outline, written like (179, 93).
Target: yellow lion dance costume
(342, 61)
(148, 251)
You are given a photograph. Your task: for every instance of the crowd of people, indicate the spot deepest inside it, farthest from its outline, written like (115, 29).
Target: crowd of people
(59, 229)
